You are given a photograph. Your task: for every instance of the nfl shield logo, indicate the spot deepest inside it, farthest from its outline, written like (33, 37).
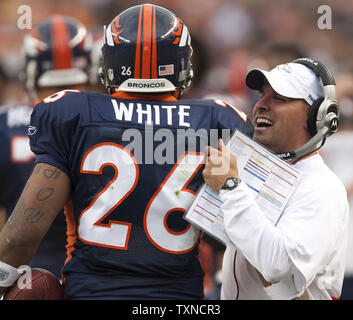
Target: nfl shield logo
(110, 74)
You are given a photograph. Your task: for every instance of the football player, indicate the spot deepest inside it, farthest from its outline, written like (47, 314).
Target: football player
(124, 166)
(57, 55)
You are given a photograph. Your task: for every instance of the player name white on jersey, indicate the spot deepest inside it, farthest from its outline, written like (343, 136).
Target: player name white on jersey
(151, 114)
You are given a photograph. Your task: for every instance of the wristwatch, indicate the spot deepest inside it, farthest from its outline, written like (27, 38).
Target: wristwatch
(231, 183)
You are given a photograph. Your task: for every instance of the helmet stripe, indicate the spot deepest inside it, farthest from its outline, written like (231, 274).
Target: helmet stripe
(60, 37)
(154, 46)
(138, 49)
(147, 41)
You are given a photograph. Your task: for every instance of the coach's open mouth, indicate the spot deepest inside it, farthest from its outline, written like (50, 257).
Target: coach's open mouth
(262, 122)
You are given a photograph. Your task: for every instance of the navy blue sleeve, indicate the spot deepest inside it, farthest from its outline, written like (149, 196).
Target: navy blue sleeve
(52, 126)
(230, 117)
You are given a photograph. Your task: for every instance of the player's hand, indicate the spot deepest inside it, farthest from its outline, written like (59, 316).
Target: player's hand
(221, 164)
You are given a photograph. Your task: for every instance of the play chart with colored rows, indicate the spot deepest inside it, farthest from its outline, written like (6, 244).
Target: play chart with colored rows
(271, 180)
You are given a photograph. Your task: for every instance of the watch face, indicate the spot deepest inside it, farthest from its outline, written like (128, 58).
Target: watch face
(230, 183)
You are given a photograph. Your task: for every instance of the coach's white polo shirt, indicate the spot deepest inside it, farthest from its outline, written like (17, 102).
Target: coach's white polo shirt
(304, 252)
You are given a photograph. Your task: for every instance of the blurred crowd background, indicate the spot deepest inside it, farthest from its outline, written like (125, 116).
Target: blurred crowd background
(229, 37)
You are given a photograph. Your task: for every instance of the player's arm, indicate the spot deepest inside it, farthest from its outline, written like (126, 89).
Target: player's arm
(45, 194)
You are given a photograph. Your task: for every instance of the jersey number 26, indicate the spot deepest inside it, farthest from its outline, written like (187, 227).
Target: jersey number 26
(172, 195)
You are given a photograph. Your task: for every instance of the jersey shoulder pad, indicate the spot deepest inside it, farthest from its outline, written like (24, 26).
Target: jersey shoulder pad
(229, 108)
(198, 102)
(65, 103)
(218, 106)
(63, 97)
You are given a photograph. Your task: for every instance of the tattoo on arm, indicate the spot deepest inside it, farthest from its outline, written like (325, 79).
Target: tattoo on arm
(47, 173)
(22, 215)
(44, 193)
(37, 168)
(33, 215)
(52, 173)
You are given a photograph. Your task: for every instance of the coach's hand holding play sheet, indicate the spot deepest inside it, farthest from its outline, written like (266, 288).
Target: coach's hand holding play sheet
(271, 180)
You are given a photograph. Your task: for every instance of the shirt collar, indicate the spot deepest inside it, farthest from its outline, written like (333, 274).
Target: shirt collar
(141, 96)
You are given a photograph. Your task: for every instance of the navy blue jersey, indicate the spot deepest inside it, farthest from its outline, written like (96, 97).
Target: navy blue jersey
(16, 158)
(16, 163)
(134, 166)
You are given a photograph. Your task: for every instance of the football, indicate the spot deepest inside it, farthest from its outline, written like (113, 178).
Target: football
(44, 286)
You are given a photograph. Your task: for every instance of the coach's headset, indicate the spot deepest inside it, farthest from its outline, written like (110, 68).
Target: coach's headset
(323, 117)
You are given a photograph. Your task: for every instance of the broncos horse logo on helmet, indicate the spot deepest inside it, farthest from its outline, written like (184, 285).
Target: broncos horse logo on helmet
(146, 49)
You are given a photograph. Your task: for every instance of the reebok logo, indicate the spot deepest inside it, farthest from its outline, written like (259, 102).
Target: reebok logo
(31, 130)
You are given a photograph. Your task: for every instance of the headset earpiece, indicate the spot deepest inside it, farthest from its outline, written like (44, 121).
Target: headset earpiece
(332, 119)
(312, 116)
(318, 119)
(323, 115)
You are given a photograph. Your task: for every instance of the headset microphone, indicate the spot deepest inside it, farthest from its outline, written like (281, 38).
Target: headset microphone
(308, 146)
